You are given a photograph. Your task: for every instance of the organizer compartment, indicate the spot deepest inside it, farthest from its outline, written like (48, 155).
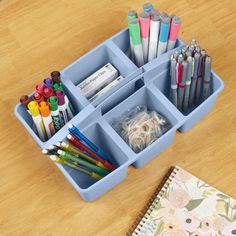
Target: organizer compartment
(205, 107)
(88, 188)
(193, 115)
(91, 62)
(122, 41)
(25, 118)
(152, 101)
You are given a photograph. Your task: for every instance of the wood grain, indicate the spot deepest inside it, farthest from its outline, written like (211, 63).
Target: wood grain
(39, 36)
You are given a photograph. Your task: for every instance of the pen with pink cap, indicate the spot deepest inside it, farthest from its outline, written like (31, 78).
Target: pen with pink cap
(145, 28)
(174, 30)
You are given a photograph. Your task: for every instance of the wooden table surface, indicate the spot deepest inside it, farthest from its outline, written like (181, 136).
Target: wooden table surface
(39, 36)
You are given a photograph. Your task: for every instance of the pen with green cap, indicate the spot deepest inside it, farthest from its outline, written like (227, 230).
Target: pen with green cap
(57, 159)
(53, 103)
(69, 157)
(131, 15)
(134, 28)
(71, 149)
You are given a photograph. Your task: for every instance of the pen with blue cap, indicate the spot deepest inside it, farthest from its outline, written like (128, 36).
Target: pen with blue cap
(164, 33)
(75, 131)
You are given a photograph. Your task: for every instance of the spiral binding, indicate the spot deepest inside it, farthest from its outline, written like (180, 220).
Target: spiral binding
(155, 198)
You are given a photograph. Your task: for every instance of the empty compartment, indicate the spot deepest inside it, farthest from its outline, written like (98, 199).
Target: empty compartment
(162, 81)
(88, 188)
(153, 103)
(122, 41)
(88, 64)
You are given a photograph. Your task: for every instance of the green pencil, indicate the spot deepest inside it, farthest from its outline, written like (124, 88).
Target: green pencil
(63, 162)
(69, 157)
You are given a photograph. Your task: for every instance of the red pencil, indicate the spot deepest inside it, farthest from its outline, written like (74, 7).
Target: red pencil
(83, 147)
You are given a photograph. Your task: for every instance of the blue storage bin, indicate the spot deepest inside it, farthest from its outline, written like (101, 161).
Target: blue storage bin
(88, 188)
(153, 101)
(25, 118)
(193, 115)
(148, 85)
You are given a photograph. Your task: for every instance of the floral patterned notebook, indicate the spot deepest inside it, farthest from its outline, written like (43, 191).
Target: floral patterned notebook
(186, 206)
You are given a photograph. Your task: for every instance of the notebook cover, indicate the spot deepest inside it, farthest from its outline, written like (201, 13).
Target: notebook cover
(184, 205)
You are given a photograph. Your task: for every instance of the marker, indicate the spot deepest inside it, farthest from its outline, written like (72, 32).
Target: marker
(81, 169)
(194, 79)
(56, 77)
(174, 30)
(83, 148)
(201, 69)
(164, 32)
(148, 7)
(68, 157)
(182, 85)
(76, 132)
(145, 28)
(57, 86)
(71, 149)
(137, 43)
(207, 78)
(24, 100)
(62, 107)
(154, 36)
(131, 15)
(34, 110)
(47, 92)
(47, 119)
(48, 83)
(69, 107)
(39, 88)
(38, 97)
(53, 104)
(188, 83)
(174, 86)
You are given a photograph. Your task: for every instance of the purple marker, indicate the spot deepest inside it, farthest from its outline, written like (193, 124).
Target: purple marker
(48, 83)
(62, 106)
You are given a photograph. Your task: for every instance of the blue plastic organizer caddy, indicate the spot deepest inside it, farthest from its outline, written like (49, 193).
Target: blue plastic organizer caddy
(148, 85)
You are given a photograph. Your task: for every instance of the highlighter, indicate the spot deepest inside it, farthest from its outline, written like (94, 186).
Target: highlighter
(34, 110)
